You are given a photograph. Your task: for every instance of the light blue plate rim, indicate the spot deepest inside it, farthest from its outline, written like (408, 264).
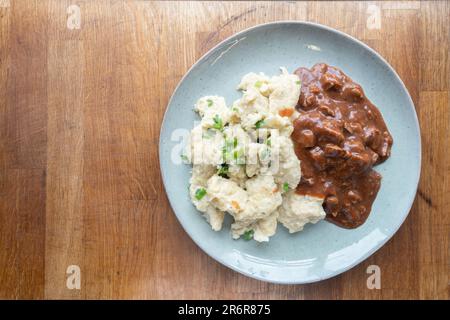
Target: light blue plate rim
(412, 195)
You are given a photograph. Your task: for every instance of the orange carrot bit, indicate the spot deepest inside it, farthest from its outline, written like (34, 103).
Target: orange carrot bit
(286, 112)
(235, 205)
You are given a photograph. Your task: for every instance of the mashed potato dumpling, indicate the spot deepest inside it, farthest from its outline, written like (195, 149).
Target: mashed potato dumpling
(244, 162)
(298, 210)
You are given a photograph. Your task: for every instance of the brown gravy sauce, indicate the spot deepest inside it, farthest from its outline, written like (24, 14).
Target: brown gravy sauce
(339, 136)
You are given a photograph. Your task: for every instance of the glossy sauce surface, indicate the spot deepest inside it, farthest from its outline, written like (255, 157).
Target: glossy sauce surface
(339, 136)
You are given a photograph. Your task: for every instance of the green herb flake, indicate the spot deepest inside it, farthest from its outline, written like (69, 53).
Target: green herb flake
(241, 157)
(258, 84)
(200, 193)
(298, 82)
(259, 124)
(285, 187)
(269, 142)
(223, 170)
(237, 154)
(218, 124)
(227, 150)
(210, 102)
(225, 153)
(235, 142)
(248, 235)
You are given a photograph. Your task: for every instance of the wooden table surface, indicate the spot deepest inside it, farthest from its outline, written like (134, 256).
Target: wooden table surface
(84, 86)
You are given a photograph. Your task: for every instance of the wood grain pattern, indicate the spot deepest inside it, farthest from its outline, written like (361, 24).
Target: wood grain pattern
(79, 126)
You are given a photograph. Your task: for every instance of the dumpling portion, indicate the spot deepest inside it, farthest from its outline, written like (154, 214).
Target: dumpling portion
(261, 230)
(214, 112)
(264, 197)
(205, 146)
(253, 209)
(252, 108)
(252, 164)
(244, 161)
(200, 198)
(259, 216)
(234, 153)
(226, 195)
(298, 210)
(288, 173)
(255, 81)
(284, 93)
(282, 124)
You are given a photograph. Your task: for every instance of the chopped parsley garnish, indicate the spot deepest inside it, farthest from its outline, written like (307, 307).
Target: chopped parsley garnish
(269, 142)
(223, 170)
(229, 144)
(298, 82)
(285, 187)
(238, 156)
(200, 193)
(234, 109)
(227, 150)
(225, 153)
(230, 151)
(258, 84)
(248, 235)
(259, 124)
(210, 102)
(218, 124)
